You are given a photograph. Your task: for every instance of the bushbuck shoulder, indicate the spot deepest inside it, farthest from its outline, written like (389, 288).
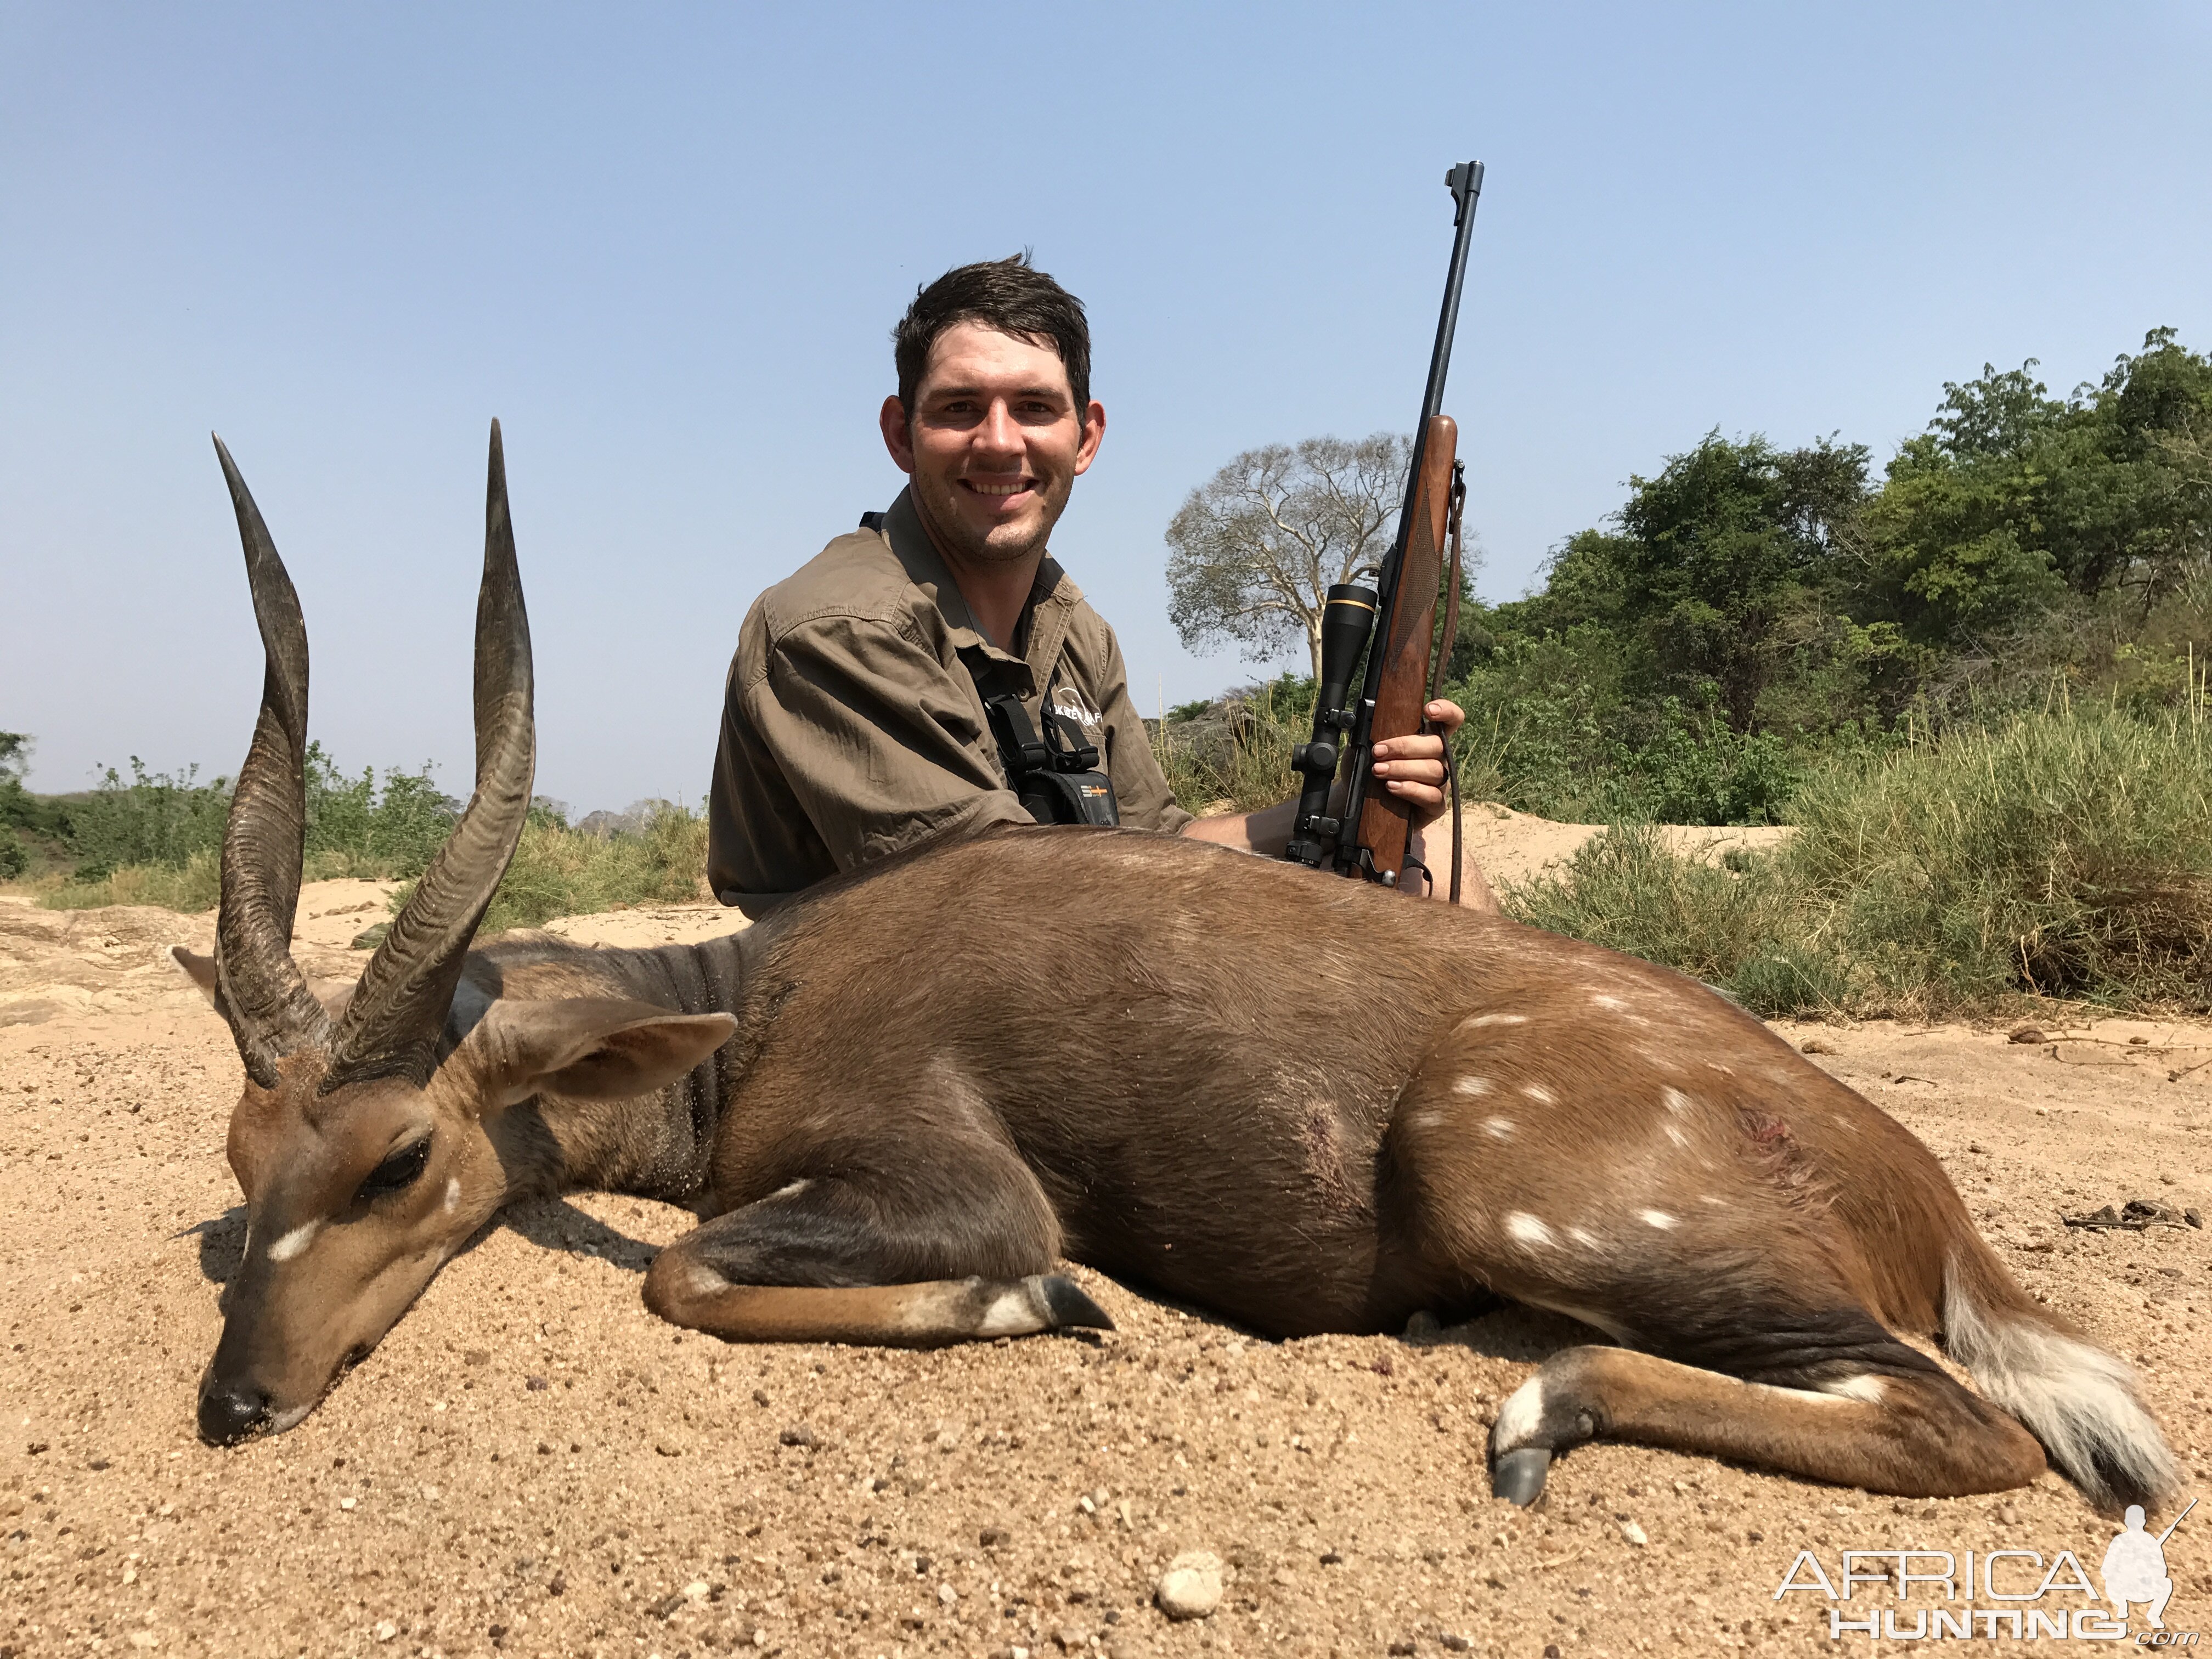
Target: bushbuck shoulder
(904, 1097)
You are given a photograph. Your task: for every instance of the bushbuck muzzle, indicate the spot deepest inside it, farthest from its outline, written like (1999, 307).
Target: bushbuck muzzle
(369, 1139)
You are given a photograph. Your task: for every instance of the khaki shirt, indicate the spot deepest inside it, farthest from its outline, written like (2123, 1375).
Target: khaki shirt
(852, 725)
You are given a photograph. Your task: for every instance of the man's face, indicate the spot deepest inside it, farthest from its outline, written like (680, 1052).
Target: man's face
(995, 443)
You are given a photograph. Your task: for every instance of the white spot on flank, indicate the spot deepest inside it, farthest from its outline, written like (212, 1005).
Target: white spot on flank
(1539, 1094)
(295, 1240)
(1658, 1218)
(1494, 1019)
(1604, 1002)
(452, 1192)
(1471, 1085)
(1677, 1101)
(792, 1188)
(1707, 1198)
(1677, 1136)
(1519, 1417)
(1528, 1229)
(1500, 1128)
(1582, 1235)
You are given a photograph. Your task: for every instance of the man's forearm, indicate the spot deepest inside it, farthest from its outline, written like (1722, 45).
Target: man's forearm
(1267, 830)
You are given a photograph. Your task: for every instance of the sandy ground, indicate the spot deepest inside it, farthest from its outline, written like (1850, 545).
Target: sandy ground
(530, 1463)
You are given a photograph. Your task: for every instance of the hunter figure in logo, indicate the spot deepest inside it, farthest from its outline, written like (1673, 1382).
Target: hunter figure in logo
(2135, 1568)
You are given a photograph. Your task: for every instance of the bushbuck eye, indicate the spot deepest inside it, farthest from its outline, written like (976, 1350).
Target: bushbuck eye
(398, 1172)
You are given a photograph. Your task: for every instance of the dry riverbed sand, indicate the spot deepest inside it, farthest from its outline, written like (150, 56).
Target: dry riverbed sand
(532, 1464)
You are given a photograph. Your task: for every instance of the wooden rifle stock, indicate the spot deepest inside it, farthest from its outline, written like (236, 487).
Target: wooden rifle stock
(1406, 635)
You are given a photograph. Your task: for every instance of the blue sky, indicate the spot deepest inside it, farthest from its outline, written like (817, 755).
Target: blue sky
(665, 246)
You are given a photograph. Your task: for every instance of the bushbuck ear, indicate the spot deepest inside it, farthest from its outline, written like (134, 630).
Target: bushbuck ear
(194, 966)
(592, 1048)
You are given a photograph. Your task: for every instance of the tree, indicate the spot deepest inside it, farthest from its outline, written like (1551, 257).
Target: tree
(1257, 547)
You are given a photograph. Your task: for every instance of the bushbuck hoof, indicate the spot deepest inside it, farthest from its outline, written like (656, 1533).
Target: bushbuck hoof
(1518, 1476)
(1069, 1306)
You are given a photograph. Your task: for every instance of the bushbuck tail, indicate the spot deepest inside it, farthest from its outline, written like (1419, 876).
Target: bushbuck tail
(902, 1098)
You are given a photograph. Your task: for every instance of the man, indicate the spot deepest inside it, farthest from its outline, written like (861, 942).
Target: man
(853, 722)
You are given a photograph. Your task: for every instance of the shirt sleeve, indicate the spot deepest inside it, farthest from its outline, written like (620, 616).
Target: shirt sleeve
(879, 741)
(1141, 794)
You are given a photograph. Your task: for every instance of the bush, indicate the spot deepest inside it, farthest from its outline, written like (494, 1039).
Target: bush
(14, 859)
(559, 871)
(2066, 854)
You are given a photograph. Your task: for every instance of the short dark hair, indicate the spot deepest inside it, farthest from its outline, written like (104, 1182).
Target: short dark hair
(1011, 295)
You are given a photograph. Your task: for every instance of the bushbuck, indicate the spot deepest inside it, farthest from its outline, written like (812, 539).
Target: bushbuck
(899, 1099)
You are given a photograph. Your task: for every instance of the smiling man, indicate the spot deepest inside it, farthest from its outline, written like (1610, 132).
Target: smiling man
(855, 720)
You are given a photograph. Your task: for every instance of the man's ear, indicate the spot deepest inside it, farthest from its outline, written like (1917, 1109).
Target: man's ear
(898, 432)
(194, 966)
(591, 1047)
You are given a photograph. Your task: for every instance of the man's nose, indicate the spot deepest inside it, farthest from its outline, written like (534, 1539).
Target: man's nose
(1000, 433)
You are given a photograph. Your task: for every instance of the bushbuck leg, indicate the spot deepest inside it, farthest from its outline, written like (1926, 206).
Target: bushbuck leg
(876, 1259)
(1912, 1431)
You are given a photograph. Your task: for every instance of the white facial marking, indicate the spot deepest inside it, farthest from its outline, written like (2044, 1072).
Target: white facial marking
(1658, 1218)
(295, 1240)
(1677, 1101)
(1539, 1094)
(1494, 1019)
(1603, 1001)
(1471, 1085)
(792, 1188)
(452, 1192)
(1519, 1417)
(1500, 1128)
(1528, 1229)
(1677, 1136)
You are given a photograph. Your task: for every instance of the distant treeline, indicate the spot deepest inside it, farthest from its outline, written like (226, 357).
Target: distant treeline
(1751, 609)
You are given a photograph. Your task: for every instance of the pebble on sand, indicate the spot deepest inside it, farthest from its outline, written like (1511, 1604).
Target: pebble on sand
(1634, 1534)
(1191, 1586)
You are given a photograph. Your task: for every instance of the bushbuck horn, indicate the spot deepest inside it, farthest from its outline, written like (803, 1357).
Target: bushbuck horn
(263, 995)
(391, 1027)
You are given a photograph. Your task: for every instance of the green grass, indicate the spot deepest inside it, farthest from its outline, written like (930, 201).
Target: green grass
(558, 872)
(2065, 855)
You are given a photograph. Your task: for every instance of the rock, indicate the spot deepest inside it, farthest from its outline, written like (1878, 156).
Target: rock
(1453, 1642)
(384, 1631)
(1404, 1644)
(1634, 1534)
(2029, 1034)
(1815, 1046)
(994, 1537)
(369, 938)
(1422, 1326)
(798, 1435)
(1191, 1586)
(947, 1594)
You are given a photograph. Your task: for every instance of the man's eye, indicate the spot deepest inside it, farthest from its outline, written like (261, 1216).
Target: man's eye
(397, 1173)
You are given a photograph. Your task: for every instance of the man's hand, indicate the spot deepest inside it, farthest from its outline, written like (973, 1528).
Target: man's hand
(1412, 769)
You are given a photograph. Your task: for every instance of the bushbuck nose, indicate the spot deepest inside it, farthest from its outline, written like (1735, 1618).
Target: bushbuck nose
(228, 1414)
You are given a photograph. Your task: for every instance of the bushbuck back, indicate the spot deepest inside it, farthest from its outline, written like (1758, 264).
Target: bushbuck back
(905, 1096)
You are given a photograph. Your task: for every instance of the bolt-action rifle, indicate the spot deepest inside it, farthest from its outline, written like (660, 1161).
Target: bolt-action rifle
(1371, 834)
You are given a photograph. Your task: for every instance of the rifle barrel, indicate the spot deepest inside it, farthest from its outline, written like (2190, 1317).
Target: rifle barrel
(1465, 183)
